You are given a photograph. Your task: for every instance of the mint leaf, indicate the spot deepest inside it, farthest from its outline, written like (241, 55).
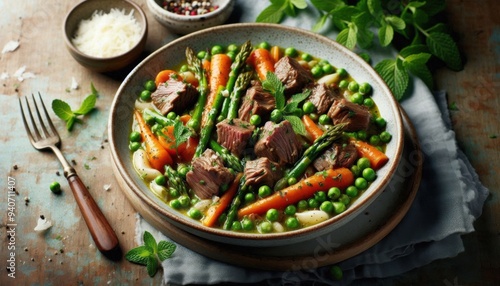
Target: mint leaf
(396, 22)
(299, 4)
(347, 37)
(444, 47)
(413, 49)
(297, 125)
(93, 90)
(62, 109)
(320, 23)
(87, 105)
(271, 14)
(327, 6)
(416, 64)
(299, 97)
(181, 133)
(139, 254)
(152, 265)
(165, 249)
(385, 35)
(150, 241)
(394, 74)
(274, 85)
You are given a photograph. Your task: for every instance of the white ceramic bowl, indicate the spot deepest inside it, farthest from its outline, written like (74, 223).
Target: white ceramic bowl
(182, 24)
(168, 56)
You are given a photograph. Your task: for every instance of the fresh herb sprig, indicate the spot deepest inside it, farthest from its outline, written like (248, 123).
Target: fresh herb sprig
(417, 22)
(63, 110)
(149, 253)
(290, 109)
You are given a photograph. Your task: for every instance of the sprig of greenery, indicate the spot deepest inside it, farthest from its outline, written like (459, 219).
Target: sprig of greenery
(149, 253)
(414, 23)
(290, 109)
(63, 110)
(181, 133)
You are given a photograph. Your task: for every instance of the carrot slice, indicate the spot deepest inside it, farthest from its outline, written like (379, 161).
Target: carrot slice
(165, 75)
(215, 211)
(275, 53)
(262, 61)
(377, 158)
(220, 66)
(311, 127)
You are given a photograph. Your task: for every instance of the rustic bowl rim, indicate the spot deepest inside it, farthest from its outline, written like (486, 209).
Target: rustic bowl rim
(269, 239)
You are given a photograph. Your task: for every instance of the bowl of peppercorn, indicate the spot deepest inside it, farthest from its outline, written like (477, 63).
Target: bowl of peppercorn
(186, 16)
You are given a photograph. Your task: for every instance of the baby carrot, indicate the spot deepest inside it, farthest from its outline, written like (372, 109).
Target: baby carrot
(262, 61)
(165, 75)
(157, 155)
(275, 53)
(311, 127)
(321, 181)
(215, 210)
(377, 158)
(220, 66)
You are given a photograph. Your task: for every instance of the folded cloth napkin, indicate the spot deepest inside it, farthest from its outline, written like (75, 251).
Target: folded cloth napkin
(448, 201)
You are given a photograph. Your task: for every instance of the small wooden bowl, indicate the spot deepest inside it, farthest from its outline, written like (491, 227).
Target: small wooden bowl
(84, 10)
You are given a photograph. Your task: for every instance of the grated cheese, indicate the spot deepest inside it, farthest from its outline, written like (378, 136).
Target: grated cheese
(107, 35)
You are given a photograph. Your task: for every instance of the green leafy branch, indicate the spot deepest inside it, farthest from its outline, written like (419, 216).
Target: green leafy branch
(63, 110)
(149, 253)
(415, 22)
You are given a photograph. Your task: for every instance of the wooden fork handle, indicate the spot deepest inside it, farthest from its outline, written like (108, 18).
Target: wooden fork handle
(100, 229)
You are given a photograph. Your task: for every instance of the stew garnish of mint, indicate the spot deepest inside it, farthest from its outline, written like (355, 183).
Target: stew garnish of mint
(257, 139)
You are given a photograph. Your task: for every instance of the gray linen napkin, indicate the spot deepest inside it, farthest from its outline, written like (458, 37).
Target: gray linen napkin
(449, 199)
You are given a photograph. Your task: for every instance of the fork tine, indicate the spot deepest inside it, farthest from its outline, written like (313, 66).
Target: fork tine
(51, 125)
(42, 123)
(33, 124)
(30, 135)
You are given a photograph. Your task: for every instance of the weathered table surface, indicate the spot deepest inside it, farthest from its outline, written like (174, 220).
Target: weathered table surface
(66, 253)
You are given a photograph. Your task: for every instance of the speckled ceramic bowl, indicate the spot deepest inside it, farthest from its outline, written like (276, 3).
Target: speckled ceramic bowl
(169, 56)
(83, 11)
(181, 24)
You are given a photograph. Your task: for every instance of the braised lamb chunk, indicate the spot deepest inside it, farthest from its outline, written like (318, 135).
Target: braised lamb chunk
(293, 76)
(356, 117)
(278, 143)
(256, 101)
(338, 155)
(262, 171)
(174, 95)
(322, 97)
(208, 175)
(234, 134)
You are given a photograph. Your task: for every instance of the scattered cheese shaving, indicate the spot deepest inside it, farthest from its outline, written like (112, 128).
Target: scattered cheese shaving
(74, 83)
(107, 187)
(10, 47)
(21, 74)
(42, 224)
(4, 75)
(107, 35)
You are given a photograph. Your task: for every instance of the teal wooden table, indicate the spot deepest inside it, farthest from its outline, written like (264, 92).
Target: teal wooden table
(66, 254)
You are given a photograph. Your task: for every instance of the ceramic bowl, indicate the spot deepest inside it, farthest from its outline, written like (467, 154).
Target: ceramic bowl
(168, 56)
(182, 24)
(83, 11)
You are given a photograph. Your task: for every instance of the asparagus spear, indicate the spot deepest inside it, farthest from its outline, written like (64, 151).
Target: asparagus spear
(160, 119)
(229, 159)
(196, 66)
(236, 67)
(206, 132)
(232, 214)
(324, 141)
(175, 181)
(234, 99)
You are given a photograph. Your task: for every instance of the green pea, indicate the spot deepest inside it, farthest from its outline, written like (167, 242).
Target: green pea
(217, 49)
(272, 215)
(317, 71)
(368, 102)
(292, 223)
(357, 98)
(328, 69)
(351, 191)
(161, 180)
(232, 48)
(135, 136)
(336, 272)
(55, 187)
(365, 88)
(369, 174)
(324, 119)
(302, 205)
(183, 171)
(291, 52)
(355, 170)
(306, 57)
(334, 193)
(184, 68)
(361, 183)
(343, 84)
(150, 120)
(150, 85)
(145, 95)
(247, 224)
(308, 107)
(375, 140)
(298, 112)
(201, 55)
(175, 204)
(264, 191)
(174, 193)
(236, 226)
(363, 163)
(249, 197)
(326, 206)
(338, 207)
(172, 115)
(134, 146)
(323, 62)
(353, 86)
(185, 201)
(192, 123)
(345, 199)
(276, 116)
(385, 136)
(342, 72)
(314, 116)
(194, 213)
(231, 55)
(255, 120)
(292, 181)
(290, 210)
(361, 134)
(320, 196)
(312, 203)
(156, 128)
(264, 45)
(380, 122)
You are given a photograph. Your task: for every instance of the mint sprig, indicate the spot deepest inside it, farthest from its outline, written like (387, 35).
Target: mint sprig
(64, 111)
(407, 24)
(149, 253)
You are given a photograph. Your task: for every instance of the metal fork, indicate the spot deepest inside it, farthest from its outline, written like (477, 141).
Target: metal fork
(44, 136)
